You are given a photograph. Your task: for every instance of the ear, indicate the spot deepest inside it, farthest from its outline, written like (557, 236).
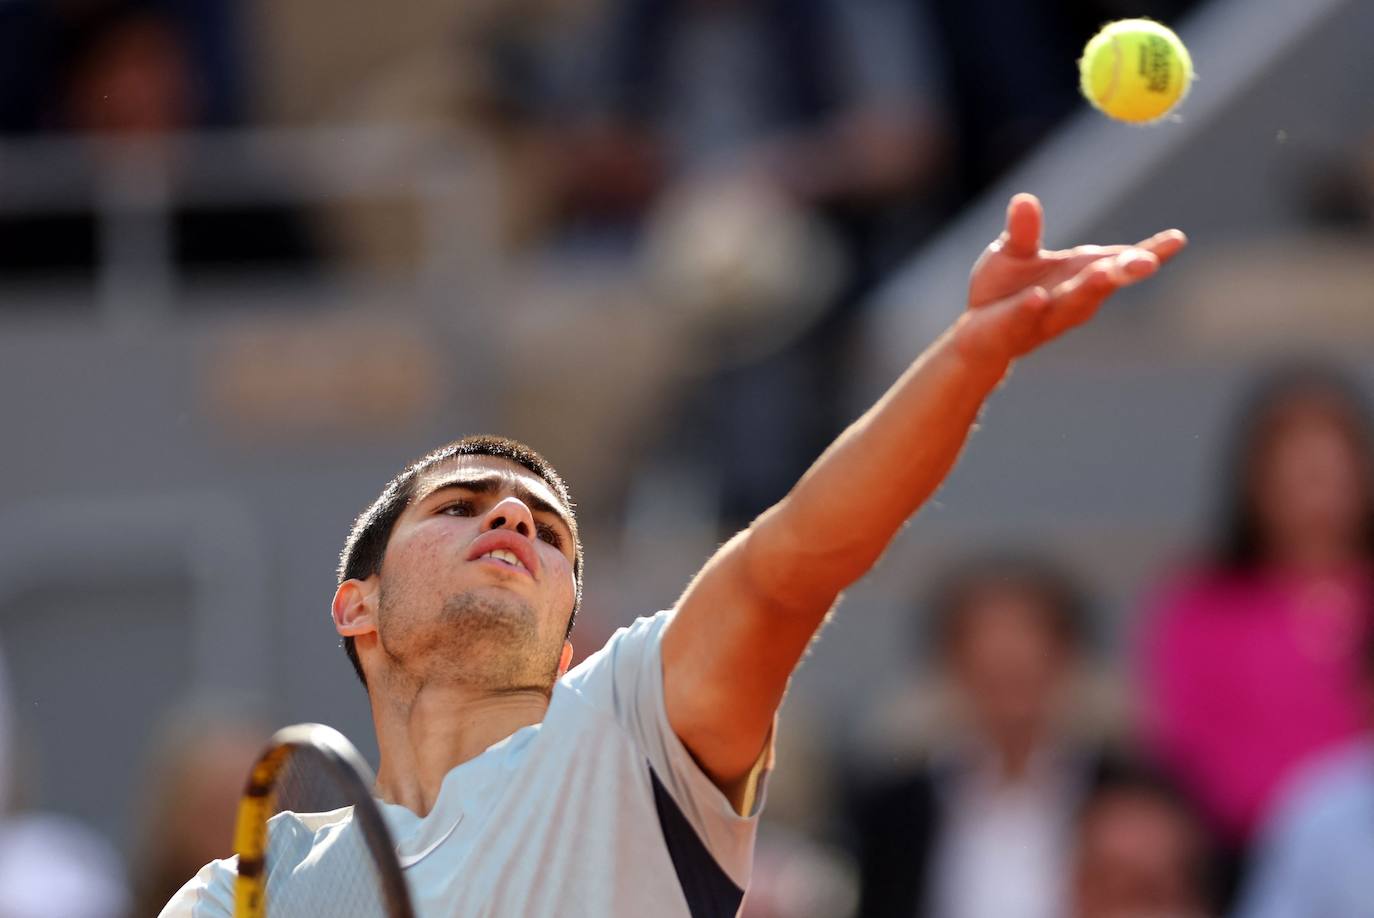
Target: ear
(355, 607)
(565, 659)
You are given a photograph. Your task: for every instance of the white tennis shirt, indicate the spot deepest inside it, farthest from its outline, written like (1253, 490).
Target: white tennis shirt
(599, 810)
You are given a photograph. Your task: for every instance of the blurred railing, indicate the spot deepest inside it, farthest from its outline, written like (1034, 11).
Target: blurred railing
(156, 377)
(131, 188)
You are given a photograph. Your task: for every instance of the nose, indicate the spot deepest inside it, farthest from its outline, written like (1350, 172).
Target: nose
(510, 513)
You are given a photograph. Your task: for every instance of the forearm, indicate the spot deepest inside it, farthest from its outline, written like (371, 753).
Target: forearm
(746, 619)
(841, 515)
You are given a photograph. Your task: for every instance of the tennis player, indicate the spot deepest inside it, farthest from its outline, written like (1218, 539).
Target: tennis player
(631, 785)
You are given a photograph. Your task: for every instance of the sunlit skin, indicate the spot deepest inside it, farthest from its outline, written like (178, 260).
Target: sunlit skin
(781, 576)
(460, 652)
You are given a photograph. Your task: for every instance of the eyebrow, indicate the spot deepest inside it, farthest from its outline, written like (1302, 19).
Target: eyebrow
(490, 484)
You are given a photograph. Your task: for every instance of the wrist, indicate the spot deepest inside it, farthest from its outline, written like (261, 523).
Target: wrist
(976, 358)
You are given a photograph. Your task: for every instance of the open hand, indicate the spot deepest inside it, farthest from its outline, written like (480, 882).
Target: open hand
(1021, 296)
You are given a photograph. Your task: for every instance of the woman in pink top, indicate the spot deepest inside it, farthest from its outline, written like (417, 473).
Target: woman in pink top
(1249, 662)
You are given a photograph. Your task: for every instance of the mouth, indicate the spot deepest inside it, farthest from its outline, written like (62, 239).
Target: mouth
(506, 551)
(505, 557)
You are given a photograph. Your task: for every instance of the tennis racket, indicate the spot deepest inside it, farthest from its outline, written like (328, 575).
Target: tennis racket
(329, 851)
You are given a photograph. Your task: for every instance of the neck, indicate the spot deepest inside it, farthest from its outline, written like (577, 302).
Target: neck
(425, 732)
(1315, 556)
(1014, 754)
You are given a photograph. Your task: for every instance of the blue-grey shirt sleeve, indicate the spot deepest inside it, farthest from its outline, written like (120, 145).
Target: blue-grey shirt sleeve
(625, 678)
(1283, 883)
(209, 894)
(1314, 857)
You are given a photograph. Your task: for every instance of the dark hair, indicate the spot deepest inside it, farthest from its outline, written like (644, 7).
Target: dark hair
(1117, 773)
(88, 33)
(1118, 776)
(1367, 657)
(1046, 583)
(367, 541)
(83, 34)
(1239, 540)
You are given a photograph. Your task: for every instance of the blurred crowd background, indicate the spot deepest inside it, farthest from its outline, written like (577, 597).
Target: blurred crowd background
(254, 256)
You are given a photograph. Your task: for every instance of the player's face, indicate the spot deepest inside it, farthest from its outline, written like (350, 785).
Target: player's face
(479, 572)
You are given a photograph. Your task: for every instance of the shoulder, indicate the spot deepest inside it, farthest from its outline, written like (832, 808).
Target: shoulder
(1194, 601)
(1333, 789)
(1189, 587)
(643, 630)
(633, 643)
(209, 894)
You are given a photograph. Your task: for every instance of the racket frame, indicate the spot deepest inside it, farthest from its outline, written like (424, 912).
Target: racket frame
(256, 806)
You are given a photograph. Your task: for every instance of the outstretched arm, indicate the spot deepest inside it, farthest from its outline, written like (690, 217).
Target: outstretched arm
(744, 622)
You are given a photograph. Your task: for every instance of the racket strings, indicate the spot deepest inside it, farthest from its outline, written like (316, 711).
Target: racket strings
(316, 869)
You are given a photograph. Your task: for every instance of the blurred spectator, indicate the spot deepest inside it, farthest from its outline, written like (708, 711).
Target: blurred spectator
(1141, 851)
(39, 40)
(829, 101)
(54, 867)
(982, 824)
(794, 877)
(826, 106)
(197, 771)
(126, 71)
(755, 163)
(1316, 855)
(1250, 659)
(501, 79)
(1340, 188)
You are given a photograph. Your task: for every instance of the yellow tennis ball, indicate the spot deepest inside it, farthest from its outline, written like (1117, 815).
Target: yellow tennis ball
(1135, 70)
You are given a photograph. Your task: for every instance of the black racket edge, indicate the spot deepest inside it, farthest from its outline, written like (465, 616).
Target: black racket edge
(353, 776)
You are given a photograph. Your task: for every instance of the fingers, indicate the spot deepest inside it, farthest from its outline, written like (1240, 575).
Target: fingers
(1076, 300)
(1025, 218)
(1078, 281)
(1132, 265)
(1165, 245)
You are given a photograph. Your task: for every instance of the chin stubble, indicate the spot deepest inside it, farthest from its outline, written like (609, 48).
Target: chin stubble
(476, 639)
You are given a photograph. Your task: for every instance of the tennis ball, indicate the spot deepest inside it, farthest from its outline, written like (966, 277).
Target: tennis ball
(1135, 70)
